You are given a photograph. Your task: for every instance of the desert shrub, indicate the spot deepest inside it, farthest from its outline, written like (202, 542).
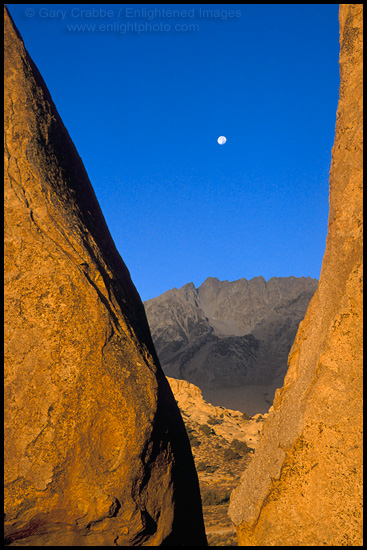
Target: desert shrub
(210, 469)
(194, 442)
(230, 454)
(207, 430)
(204, 467)
(240, 446)
(213, 420)
(213, 498)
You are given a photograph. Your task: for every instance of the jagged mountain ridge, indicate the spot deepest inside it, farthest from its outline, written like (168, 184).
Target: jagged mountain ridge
(229, 334)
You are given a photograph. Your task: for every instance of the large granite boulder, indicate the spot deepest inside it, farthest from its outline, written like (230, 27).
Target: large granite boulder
(304, 485)
(96, 453)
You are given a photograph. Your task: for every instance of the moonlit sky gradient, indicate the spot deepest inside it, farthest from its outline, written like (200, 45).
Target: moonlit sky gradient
(145, 109)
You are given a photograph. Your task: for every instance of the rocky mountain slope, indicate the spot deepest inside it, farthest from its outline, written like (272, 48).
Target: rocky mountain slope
(96, 452)
(223, 443)
(304, 486)
(231, 339)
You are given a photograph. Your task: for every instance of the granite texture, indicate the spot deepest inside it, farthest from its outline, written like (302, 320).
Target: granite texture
(304, 485)
(96, 453)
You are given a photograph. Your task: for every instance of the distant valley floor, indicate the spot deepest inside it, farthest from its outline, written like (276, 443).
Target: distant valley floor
(252, 399)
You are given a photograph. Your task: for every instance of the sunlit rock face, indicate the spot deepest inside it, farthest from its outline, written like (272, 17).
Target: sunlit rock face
(304, 485)
(96, 453)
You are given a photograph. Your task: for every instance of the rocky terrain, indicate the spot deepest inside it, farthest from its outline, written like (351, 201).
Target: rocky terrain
(223, 443)
(304, 486)
(96, 452)
(232, 339)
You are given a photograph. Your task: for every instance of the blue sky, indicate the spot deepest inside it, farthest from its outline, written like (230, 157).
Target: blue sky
(145, 95)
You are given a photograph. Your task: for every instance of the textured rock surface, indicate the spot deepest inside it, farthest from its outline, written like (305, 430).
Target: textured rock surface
(96, 452)
(232, 426)
(304, 485)
(230, 335)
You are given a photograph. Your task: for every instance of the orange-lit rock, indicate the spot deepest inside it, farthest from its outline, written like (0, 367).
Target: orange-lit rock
(304, 485)
(96, 453)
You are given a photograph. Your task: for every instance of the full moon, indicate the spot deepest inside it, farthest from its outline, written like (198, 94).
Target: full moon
(221, 140)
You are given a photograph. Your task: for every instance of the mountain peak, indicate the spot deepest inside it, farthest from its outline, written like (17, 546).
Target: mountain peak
(229, 334)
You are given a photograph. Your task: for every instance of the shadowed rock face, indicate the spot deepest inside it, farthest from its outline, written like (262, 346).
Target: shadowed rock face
(304, 485)
(95, 449)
